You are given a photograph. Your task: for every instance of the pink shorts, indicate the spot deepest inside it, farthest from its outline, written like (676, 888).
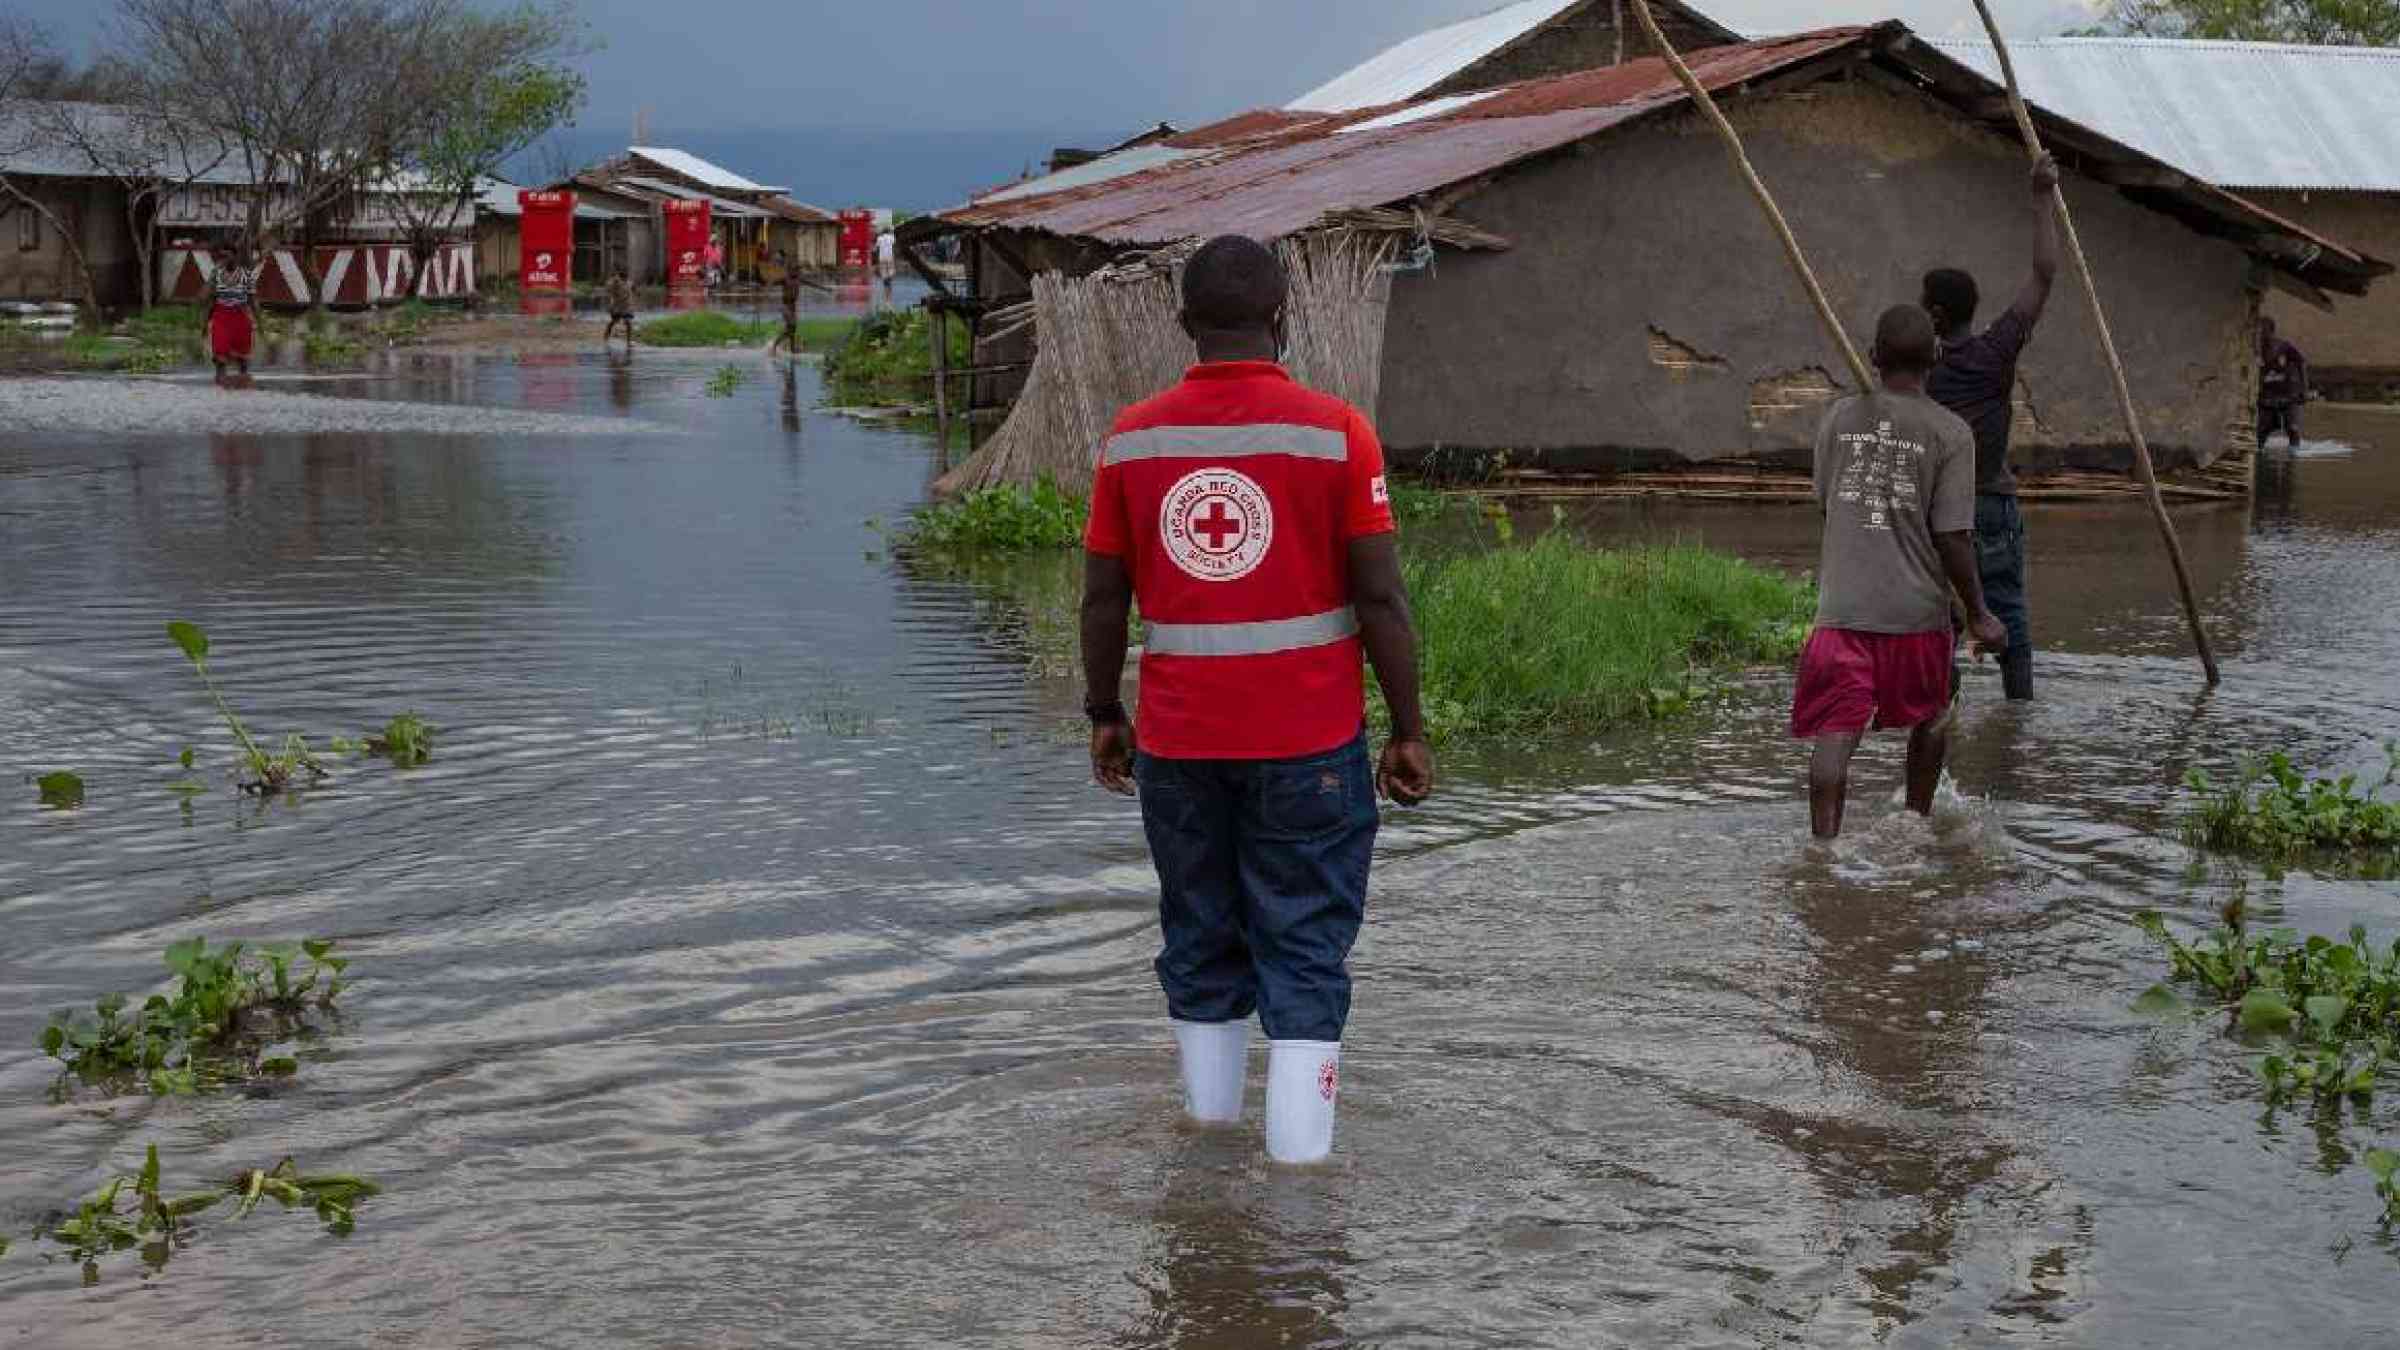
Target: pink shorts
(1851, 682)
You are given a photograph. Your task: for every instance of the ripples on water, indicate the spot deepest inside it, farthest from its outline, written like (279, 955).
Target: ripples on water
(752, 966)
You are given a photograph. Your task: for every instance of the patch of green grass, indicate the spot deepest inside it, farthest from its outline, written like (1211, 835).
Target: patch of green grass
(706, 328)
(2272, 812)
(226, 1007)
(724, 382)
(60, 790)
(1559, 635)
(1002, 519)
(887, 360)
(324, 342)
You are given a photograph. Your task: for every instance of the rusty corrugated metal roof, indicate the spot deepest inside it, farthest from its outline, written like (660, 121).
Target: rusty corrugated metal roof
(1273, 172)
(1276, 172)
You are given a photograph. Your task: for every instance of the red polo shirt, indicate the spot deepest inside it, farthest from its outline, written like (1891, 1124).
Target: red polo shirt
(1232, 499)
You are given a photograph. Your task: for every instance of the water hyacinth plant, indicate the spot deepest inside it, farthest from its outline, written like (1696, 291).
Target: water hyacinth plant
(130, 1211)
(226, 1007)
(270, 774)
(1002, 519)
(2272, 811)
(61, 790)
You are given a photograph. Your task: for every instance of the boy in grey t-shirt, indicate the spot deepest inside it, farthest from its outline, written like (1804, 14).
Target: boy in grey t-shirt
(1896, 478)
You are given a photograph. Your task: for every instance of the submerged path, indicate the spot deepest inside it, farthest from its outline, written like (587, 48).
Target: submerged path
(151, 406)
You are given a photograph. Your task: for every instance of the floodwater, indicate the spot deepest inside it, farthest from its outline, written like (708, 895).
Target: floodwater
(753, 965)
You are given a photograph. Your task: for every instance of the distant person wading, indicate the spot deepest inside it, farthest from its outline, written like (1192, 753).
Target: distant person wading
(232, 322)
(1250, 518)
(2282, 386)
(1977, 379)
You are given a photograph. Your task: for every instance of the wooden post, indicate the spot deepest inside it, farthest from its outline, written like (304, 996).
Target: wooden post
(1766, 203)
(2108, 348)
(941, 379)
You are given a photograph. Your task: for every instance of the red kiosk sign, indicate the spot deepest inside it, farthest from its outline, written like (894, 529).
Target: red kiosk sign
(546, 241)
(687, 242)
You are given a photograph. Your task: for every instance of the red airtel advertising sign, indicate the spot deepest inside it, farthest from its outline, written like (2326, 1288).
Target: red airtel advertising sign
(858, 238)
(546, 241)
(687, 242)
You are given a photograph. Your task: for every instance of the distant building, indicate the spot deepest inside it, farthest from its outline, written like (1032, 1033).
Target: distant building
(2310, 133)
(358, 247)
(1623, 305)
(753, 222)
(610, 233)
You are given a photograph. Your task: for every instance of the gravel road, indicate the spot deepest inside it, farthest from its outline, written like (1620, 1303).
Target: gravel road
(139, 407)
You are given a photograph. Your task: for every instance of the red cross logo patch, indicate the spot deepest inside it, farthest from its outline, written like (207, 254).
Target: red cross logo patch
(1216, 524)
(1329, 1078)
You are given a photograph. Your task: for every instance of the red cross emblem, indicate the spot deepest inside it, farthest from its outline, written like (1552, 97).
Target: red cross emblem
(1329, 1078)
(1217, 524)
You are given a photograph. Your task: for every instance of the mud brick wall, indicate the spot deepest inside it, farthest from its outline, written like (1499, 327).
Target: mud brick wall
(1646, 315)
(35, 262)
(2361, 334)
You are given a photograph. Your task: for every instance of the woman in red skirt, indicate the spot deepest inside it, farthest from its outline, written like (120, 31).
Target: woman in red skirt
(233, 314)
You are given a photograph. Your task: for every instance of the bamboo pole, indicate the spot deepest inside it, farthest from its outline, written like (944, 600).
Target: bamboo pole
(2108, 348)
(1766, 202)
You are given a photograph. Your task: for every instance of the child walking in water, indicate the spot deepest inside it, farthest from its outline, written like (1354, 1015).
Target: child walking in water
(1896, 480)
(620, 309)
(232, 323)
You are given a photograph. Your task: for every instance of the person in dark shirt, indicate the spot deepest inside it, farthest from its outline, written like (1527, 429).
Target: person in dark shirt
(2282, 386)
(1977, 379)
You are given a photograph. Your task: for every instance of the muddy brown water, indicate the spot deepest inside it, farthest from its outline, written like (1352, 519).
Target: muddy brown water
(753, 966)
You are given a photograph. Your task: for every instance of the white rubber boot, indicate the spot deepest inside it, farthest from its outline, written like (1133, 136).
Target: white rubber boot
(1303, 1079)
(1216, 1058)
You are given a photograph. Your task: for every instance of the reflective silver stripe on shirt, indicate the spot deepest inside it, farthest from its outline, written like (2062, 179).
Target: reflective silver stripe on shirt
(1257, 438)
(1252, 639)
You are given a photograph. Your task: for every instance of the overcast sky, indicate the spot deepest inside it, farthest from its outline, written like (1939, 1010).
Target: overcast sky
(1003, 80)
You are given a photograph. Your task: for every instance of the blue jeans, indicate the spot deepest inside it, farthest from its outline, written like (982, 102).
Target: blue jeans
(2000, 557)
(1262, 876)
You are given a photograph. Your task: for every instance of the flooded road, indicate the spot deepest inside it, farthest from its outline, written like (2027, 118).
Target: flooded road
(752, 964)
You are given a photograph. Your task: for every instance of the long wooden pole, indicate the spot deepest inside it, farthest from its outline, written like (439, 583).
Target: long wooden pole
(1766, 202)
(2108, 348)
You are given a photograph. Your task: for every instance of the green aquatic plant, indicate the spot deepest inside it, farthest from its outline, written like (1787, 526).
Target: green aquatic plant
(2272, 811)
(226, 1006)
(61, 790)
(406, 739)
(130, 1210)
(270, 773)
(2385, 1165)
(1561, 635)
(725, 381)
(1005, 518)
(2330, 1008)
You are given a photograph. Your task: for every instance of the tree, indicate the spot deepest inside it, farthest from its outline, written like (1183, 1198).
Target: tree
(313, 98)
(132, 141)
(502, 88)
(29, 67)
(2330, 23)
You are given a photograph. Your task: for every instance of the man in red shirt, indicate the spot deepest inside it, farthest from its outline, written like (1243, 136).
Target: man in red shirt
(1250, 517)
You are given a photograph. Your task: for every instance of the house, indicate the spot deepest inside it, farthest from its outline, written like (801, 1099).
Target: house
(2305, 132)
(1522, 41)
(181, 208)
(1624, 305)
(73, 205)
(754, 223)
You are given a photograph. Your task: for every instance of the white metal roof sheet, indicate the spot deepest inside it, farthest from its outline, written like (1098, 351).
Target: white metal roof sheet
(1402, 72)
(699, 170)
(2236, 114)
(1093, 171)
